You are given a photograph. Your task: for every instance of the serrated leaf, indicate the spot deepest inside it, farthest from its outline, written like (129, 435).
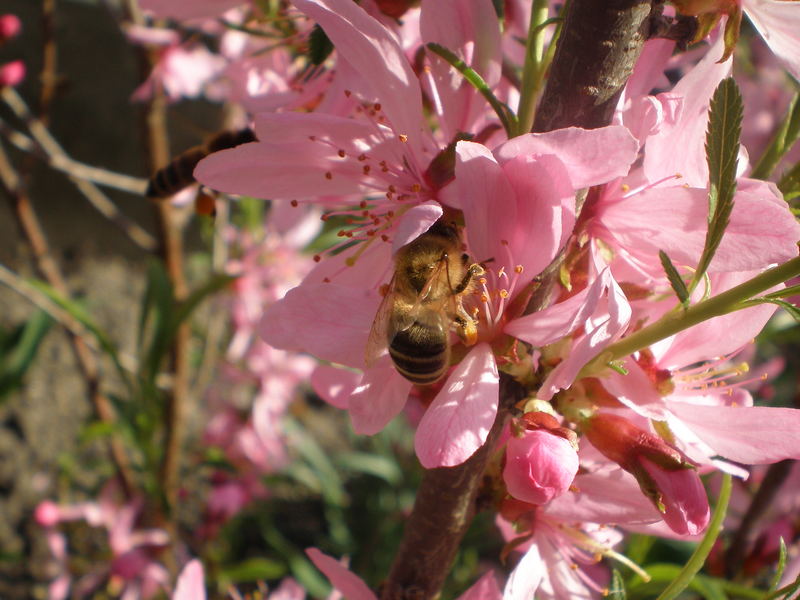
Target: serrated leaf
(319, 45)
(722, 150)
(675, 279)
(788, 133)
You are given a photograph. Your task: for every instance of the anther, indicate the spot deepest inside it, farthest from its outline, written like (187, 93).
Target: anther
(328, 175)
(317, 258)
(377, 106)
(392, 189)
(294, 203)
(366, 169)
(403, 137)
(348, 93)
(416, 188)
(342, 153)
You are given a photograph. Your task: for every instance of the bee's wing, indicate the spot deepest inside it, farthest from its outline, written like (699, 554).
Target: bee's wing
(378, 339)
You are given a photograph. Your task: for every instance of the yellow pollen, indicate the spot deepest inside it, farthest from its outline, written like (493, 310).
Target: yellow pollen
(518, 269)
(504, 293)
(403, 137)
(328, 175)
(484, 298)
(482, 280)
(625, 187)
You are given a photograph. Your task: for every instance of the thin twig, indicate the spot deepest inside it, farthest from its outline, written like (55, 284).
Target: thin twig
(95, 196)
(13, 186)
(119, 181)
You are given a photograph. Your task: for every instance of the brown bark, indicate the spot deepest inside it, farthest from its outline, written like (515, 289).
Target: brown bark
(599, 45)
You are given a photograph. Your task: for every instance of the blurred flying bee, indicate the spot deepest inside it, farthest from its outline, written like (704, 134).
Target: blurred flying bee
(179, 173)
(423, 302)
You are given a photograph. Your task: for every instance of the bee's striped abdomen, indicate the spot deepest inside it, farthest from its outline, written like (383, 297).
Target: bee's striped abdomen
(420, 353)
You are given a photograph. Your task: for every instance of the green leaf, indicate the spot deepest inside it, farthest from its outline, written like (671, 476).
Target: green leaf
(370, 464)
(695, 563)
(20, 350)
(793, 310)
(722, 148)
(786, 136)
(78, 312)
(319, 46)
(780, 568)
(253, 570)
(504, 113)
(616, 590)
(675, 279)
(789, 184)
(793, 290)
(156, 320)
(215, 283)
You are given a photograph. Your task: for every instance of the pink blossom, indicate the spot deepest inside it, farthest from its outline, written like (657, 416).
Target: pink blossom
(351, 586)
(12, 73)
(10, 26)
(539, 466)
(191, 582)
(188, 9)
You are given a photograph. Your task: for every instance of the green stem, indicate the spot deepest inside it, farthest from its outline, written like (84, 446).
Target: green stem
(697, 559)
(676, 321)
(534, 55)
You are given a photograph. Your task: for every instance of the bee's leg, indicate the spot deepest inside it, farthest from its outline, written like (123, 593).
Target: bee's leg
(467, 326)
(474, 270)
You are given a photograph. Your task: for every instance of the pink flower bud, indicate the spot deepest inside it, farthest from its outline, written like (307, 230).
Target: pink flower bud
(12, 73)
(539, 466)
(47, 514)
(9, 27)
(682, 497)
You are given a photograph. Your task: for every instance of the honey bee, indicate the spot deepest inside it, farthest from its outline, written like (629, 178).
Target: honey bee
(423, 302)
(179, 173)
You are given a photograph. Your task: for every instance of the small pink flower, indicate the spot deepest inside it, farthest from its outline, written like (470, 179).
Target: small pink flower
(539, 466)
(12, 73)
(10, 26)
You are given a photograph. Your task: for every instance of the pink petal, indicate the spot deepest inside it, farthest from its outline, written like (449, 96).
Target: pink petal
(416, 221)
(718, 336)
(688, 132)
(596, 338)
(485, 588)
(379, 397)
(334, 385)
(778, 23)
(526, 576)
(750, 435)
(487, 200)
(277, 171)
(471, 30)
(459, 418)
(604, 497)
(376, 55)
(346, 583)
(683, 496)
(338, 333)
(556, 321)
(591, 156)
(191, 582)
